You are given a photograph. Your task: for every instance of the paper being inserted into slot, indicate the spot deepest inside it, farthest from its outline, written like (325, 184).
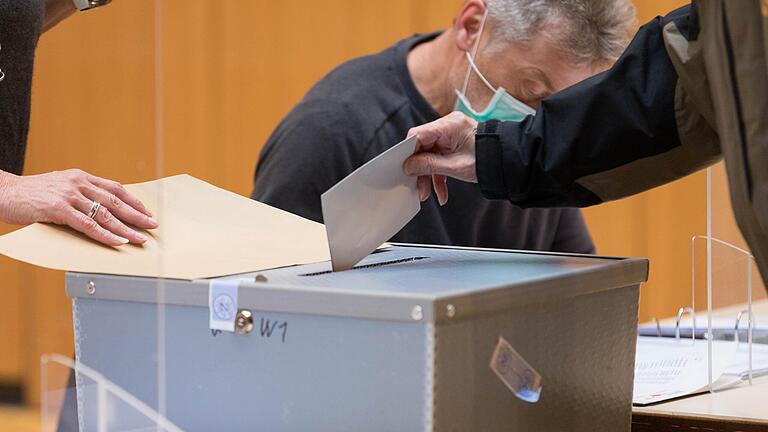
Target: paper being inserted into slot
(369, 206)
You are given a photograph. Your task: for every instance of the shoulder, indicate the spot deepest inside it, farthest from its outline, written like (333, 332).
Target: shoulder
(358, 75)
(343, 111)
(368, 87)
(311, 149)
(319, 126)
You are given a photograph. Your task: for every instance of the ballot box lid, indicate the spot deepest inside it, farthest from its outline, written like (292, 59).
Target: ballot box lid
(401, 282)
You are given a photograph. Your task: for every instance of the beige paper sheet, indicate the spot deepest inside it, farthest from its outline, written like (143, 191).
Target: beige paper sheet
(204, 232)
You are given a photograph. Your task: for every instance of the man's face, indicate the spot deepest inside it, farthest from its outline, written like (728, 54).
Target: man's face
(528, 71)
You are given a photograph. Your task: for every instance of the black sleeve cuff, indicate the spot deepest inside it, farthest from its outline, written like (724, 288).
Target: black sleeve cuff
(489, 163)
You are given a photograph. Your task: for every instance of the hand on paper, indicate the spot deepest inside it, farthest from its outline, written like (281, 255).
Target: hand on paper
(444, 148)
(66, 198)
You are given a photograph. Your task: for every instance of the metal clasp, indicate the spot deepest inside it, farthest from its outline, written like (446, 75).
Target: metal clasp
(244, 321)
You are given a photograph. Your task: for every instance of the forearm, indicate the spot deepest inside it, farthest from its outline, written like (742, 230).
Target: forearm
(56, 11)
(6, 195)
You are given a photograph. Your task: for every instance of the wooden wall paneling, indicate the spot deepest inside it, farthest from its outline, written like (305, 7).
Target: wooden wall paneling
(93, 95)
(433, 15)
(619, 227)
(236, 68)
(93, 108)
(651, 224)
(11, 335)
(648, 9)
(676, 212)
(729, 269)
(231, 70)
(48, 322)
(657, 224)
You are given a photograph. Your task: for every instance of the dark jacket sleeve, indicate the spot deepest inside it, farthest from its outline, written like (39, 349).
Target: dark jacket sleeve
(582, 146)
(310, 151)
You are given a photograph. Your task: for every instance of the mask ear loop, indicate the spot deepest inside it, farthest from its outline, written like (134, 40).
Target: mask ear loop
(477, 71)
(471, 63)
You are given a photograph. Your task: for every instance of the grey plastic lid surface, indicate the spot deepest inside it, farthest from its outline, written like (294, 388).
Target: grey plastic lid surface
(391, 283)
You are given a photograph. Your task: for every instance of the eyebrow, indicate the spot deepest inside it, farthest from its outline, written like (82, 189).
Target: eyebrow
(541, 76)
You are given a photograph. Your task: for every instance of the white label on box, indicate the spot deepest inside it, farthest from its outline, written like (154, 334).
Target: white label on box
(222, 304)
(515, 372)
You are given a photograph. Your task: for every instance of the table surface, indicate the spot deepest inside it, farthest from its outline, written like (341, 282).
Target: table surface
(744, 402)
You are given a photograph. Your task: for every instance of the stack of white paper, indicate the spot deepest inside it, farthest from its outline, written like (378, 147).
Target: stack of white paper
(667, 368)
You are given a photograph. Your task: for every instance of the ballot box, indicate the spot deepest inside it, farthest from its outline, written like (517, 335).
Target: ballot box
(414, 338)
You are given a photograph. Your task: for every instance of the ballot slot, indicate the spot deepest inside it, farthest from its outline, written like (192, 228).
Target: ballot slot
(373, 265)
(428, 270)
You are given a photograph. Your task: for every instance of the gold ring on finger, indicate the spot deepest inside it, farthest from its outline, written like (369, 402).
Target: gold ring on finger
(95, 206)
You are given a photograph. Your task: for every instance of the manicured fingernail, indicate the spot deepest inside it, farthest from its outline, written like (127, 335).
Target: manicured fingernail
(121, 240)
(142, 238)
(153, 221)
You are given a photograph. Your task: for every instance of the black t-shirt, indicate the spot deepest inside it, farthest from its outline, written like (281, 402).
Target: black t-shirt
(20, 25)
(358, 111)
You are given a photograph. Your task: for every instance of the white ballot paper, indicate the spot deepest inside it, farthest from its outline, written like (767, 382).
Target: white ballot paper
(369, 206)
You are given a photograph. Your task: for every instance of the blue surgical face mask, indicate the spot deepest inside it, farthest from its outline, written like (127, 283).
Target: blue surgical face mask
(503, 106)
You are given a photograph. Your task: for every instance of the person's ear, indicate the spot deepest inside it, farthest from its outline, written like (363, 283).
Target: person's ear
(466, 27)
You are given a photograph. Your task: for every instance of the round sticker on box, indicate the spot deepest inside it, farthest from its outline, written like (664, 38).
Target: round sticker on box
(224, 307)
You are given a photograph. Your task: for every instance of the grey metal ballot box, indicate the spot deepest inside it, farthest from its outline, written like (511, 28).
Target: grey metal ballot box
(403, 342)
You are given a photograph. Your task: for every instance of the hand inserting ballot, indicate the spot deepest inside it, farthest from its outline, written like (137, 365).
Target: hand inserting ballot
(444, 148)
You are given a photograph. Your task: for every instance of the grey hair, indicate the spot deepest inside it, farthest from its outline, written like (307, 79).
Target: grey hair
(587, 31)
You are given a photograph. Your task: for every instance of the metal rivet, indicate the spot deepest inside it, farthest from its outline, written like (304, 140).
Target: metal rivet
(91, 288)
(260, 278)
(450, 311)
(417, 313)
(244, 321)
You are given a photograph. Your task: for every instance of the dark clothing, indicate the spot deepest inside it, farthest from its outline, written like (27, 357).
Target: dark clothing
(20, 26)
(610, 120)
(358, 111)
(691, 88)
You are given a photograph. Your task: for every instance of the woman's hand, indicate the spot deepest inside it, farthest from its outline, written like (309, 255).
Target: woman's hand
(67, 197)
(444, 148)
